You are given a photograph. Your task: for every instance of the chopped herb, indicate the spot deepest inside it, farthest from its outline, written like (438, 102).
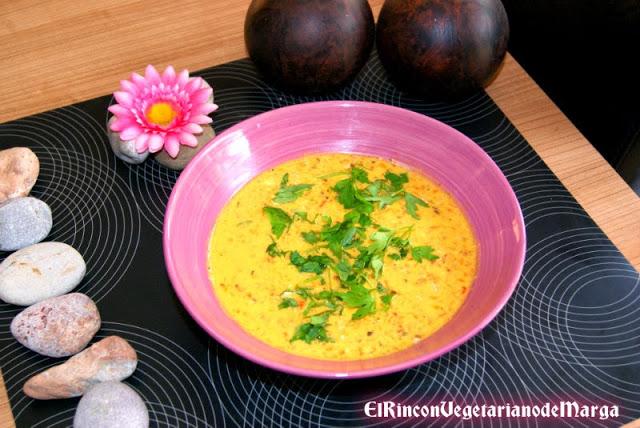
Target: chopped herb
(288, 302)
(280, 220)
(311, 237)
(355, 255)
(359, 297)
(274, 251)
(309, 332)
(376, 264)
(423, 253)
(302, 215)
(397, 180)
(311, 264)
(412, 203)
(288, 193)
(386, 299)
(359, 174)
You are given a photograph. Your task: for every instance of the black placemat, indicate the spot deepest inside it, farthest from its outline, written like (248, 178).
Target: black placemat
(570, 332)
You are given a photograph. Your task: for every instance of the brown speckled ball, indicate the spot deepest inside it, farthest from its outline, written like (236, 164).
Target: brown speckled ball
(443, 48)
(309, 46)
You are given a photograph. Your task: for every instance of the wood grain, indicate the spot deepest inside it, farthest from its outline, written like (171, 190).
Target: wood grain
(59, 52)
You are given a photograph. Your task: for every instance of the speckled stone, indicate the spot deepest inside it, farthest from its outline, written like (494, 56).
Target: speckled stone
(111, 359)
(57, 327)
(124, 150)
(23, 221)
(19, 169)
(186, 153)
(111, 405)
(40, 271)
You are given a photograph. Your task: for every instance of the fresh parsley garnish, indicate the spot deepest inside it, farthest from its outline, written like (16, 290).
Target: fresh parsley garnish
(288, 193)
(309, 332)
(280, 220)
(357, 248)
(274, 251)
(423, 253)
(412, 203)
(288, 302)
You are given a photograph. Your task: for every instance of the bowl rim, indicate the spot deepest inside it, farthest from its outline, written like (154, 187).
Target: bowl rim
(212, 145)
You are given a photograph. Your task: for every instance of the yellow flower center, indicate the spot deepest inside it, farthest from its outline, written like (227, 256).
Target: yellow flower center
(161, 113)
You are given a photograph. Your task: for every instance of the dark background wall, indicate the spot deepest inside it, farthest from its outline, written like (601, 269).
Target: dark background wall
(585, 54)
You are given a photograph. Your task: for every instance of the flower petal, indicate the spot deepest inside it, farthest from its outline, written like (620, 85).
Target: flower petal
(156, 142)
(128, 86)
(193, 85)
(130, 132)
(192, 128)
(118, 110)
(188, 139)
(169, 75)
(125, 99)
(183, 78)
(201, 95)
(138, 80)
(151, 74)
(201, 119)
(121, 123)
(172, 145)
(142, 143)
(204, 109)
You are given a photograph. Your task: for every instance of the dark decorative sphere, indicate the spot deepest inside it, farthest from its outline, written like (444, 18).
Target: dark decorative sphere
(445, 48)
(309, 46)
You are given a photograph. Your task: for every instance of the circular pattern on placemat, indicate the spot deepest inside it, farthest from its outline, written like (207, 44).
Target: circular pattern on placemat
(283, 400)
(93, 209)
(173, 384)
(569, 332)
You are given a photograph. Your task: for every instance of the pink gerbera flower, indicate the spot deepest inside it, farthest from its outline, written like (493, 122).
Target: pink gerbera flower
(162, 111)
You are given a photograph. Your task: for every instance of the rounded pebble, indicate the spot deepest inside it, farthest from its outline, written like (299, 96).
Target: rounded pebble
(111, 405)
(58, 326)
(111, 359)
(23, 221)
(19, 169)
(40, 271)
(186, 153)
(124, 150)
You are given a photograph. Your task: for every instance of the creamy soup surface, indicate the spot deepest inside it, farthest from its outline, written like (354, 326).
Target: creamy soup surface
(337, 257)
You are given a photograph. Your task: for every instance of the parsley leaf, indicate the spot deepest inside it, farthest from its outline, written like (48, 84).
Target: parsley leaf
(280, 220)
(309, 332)
(288, 302)
(302, 215)
(311, 237)
(386, 299)
(359, 174)
(412, 203)
(274, 251)
(311, 264)
(423, 253)
(288, 193)
(397, 181)
(359, 297)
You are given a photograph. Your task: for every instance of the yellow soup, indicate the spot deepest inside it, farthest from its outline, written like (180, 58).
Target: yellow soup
(342, 257)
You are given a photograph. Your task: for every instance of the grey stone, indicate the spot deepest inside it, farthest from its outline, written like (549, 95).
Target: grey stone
(23, 221)
(40, 271)
(57, 327)
(186, 153)
(124, 150)
(111, 405)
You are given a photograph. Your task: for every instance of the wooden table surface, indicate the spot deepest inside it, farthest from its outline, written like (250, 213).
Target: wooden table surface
(59, 52)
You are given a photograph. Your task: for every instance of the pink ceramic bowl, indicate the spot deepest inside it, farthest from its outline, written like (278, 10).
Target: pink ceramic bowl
(242, 152)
